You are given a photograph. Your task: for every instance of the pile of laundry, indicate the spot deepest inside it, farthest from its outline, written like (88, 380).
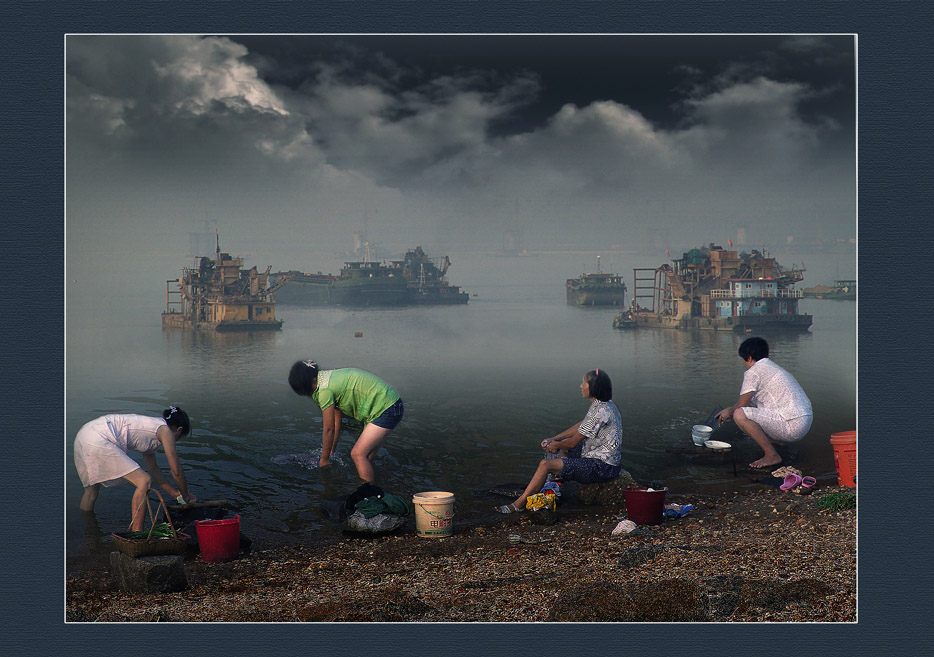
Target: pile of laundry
(546, 498)
(373, 511)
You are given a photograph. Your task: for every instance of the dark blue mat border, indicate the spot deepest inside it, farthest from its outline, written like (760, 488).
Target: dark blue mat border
(894, 126)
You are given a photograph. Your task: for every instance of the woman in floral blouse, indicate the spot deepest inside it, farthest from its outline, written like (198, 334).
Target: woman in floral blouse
(592, 446)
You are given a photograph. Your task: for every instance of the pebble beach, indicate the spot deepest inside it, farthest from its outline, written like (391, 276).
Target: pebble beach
(753, 555)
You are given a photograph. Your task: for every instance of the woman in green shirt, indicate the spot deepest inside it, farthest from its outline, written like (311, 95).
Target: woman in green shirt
(358, 394)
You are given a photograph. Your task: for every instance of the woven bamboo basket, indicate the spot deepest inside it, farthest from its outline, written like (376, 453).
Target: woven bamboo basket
(149, 546)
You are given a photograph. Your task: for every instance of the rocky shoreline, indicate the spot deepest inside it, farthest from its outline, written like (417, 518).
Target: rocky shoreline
(753, 555)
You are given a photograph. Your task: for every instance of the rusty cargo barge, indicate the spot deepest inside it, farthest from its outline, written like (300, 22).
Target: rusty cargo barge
(219, 295)
(716, 289)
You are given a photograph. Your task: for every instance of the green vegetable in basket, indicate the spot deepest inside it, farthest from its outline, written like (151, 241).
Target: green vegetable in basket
(160, 530)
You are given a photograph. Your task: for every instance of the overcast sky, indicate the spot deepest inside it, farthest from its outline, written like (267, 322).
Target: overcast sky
(287, 143)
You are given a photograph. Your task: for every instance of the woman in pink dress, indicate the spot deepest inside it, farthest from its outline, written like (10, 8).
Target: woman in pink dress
(101, 457)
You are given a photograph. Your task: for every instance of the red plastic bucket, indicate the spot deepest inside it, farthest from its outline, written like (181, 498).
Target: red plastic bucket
(645, 507)
(844, 457)
(219, 539)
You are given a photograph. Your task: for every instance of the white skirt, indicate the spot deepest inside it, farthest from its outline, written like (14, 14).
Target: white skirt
(99, 458)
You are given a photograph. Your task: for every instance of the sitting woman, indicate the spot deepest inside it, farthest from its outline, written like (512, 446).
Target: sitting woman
(592, 445)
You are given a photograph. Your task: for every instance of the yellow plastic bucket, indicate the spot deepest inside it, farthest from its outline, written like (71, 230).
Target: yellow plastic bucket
(434, 514)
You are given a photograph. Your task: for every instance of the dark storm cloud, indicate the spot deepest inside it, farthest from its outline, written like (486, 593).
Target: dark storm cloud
(461, 131)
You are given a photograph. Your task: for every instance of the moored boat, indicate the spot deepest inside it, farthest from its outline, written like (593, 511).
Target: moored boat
(841, 290)
(716, 289)
(426, 278)
(219, 295)
(359, 283)
(625, 319)
(416, 279)
(596, 289)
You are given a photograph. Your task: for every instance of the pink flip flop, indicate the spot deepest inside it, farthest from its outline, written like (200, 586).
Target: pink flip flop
(791, 480)
(807, 482)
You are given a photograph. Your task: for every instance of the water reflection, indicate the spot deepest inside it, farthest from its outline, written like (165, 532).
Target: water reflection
(482, 384)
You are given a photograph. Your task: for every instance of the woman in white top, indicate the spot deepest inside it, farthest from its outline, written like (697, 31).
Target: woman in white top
(101, 456)
(772, 407)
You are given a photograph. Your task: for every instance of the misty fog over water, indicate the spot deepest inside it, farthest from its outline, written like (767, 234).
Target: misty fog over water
(482, 385)
(283, 148)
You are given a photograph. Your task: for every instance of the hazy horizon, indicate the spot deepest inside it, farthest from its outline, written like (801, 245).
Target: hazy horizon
(288, 145)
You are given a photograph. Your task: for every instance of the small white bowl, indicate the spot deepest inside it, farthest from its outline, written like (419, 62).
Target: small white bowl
(717, 444)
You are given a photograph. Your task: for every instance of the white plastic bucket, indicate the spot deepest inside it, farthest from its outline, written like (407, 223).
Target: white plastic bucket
(434, 514)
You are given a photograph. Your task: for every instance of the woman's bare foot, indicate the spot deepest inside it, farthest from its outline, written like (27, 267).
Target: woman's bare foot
(766, 461)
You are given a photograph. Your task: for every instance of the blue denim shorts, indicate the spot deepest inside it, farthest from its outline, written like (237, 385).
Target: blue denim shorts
(391, 417)
(587, 471)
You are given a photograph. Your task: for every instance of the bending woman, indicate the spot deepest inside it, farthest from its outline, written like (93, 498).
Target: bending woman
(101, 457)
(359, 394)
(593, 444)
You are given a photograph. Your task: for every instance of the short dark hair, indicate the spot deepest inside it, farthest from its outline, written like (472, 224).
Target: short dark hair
(755, 348)
(175, 417)
(302, 377)
(600, 385)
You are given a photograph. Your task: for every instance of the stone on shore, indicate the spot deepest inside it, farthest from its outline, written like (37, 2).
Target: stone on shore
(155, 574)
(543, 516)
(606, 493)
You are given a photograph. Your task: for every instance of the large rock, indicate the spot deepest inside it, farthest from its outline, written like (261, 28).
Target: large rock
(157, 574)
(543, 516)
(606, 493)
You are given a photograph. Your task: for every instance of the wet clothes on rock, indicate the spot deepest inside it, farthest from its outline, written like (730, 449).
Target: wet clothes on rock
(102, 446)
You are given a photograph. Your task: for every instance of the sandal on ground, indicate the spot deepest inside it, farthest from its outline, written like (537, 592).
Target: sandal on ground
(507, 508)
(791, 481)
(808, 482)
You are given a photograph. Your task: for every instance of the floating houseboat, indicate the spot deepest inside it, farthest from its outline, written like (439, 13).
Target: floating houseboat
(596, 289)
(219, 295)
(842, 290)
(715, 289)
(416, 279)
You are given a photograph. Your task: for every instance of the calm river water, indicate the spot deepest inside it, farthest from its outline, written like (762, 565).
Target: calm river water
(482, 385)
